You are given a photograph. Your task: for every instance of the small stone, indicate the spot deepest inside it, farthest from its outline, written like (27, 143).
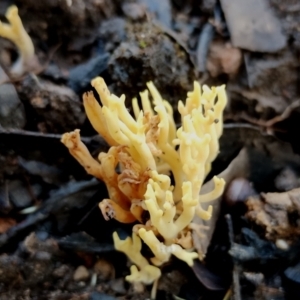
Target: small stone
(104, 269)
(282, 244)
(57, 108)
(239, 190)
(81, 274)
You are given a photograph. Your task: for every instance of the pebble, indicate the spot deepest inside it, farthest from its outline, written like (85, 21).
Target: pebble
(239, 190)
(81, 274)
(282, 244)
(104, 269)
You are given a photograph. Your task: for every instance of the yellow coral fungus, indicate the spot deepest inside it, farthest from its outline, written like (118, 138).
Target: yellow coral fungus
(132, 248)
(15, 32)
(148, 150)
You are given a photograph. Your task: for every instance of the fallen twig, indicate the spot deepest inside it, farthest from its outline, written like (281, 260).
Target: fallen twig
(54, 136)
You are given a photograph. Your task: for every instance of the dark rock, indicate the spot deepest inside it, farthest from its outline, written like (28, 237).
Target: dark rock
(253, 25)
(12, 113)
(150, 54)
(81, 76)
(56, 108)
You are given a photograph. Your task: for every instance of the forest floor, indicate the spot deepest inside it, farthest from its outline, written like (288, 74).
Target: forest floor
(54, 242)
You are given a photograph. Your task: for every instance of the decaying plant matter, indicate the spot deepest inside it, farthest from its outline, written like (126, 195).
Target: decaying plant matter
(149, 151)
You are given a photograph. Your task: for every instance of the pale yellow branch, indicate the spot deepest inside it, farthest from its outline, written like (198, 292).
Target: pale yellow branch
(80, 152)
(215, 193)
(15, 32)
(94, 113)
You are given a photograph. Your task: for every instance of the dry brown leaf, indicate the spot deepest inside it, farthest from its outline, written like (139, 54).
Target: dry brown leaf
(277, 213)
(237, 168)
(6, 223)
(223, 58)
